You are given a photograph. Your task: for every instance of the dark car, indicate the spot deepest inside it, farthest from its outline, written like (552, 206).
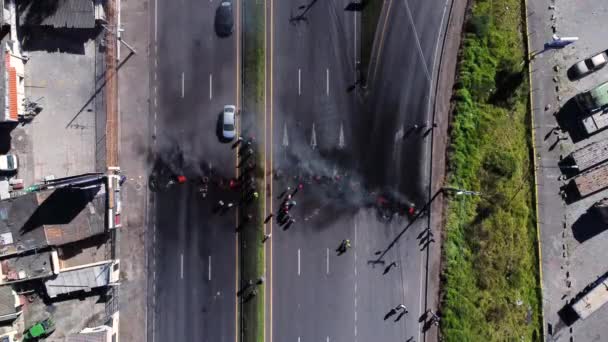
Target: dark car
(224, 19)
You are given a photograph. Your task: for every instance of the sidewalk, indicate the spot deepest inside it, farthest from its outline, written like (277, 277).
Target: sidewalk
(134, 139)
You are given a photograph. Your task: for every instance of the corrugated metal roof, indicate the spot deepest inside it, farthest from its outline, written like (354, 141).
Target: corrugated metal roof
(82, 279)
(58, 13)
(591, 154)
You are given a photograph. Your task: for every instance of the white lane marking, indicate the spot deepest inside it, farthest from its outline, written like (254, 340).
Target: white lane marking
(155, 102)
(183, 85)
(409, 14)
(327, 339)
(327, 258)
(355, 315)
(181, 266)
(327, 81)
(210, 86)
(313, 137)
(299, 81)
(209, 273)
(154, 129)
(298, 265)
(341, 142)
(155, 20)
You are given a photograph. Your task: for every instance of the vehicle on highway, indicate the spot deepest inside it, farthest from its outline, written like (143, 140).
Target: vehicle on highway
(228, 130)
(224, 19)
(589, 65)
(8, 163)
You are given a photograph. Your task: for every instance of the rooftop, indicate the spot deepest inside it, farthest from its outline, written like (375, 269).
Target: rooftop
(97, 336)
(28, 266)
(8, 302)
(79, 214)
(57, 13)
(81, 278)
(50, 218)
(16, 233)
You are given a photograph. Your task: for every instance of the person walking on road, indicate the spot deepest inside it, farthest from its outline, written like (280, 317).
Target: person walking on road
(344, 245)
(402, 307)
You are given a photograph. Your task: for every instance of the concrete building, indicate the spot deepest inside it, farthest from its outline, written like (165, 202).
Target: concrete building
(47, 218)
(29, 266)
(107, 332)
(10, 304)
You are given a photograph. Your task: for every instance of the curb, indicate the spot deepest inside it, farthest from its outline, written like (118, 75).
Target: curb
(535, 168)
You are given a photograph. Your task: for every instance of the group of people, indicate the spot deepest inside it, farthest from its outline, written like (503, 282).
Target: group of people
(284, 218)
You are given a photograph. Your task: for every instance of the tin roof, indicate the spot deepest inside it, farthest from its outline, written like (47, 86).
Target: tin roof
(79, 279)
(591, 154)
(57, 13)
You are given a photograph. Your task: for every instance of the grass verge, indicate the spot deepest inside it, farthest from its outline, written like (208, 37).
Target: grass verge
(251, 248)
(491, 287)
(369, 23)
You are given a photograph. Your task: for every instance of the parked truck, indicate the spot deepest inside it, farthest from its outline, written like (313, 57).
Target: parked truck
(594, 105)
(592, 300)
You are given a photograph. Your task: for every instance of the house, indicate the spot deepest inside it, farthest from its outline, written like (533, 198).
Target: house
(29, 266)
(56, 217)
(10, 304)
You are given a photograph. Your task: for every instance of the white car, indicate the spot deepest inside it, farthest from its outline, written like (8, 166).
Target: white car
(589, 65)
(228, 129)
(8, 163)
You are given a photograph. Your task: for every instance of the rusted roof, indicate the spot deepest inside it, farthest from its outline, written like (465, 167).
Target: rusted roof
(592, 181)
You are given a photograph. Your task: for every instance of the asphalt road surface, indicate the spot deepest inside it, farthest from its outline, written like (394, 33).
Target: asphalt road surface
(354, 150)
(194, 266)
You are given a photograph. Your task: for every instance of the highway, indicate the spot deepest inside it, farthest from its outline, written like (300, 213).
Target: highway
(349, 147)
(194, 261)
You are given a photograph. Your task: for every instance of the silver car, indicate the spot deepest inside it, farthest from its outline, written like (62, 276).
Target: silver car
(589, 65)
(228, 129)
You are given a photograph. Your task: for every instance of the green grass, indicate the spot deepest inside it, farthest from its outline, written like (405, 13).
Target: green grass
(490, 279)
(369, 24)
(251, 248)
